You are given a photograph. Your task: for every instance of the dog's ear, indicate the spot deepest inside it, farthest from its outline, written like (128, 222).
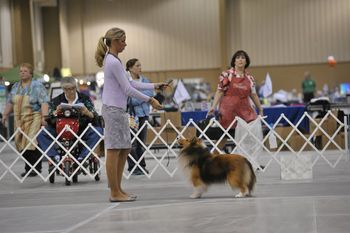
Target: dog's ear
(196, 140)
(181, 141)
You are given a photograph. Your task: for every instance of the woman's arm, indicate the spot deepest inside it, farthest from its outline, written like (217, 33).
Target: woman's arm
(6, 113)
(9, 104)
(42, 98)
(89, 109)
(141, 85)
(256, 101)
(148, 86)
(125, 85)
(44, 109)
(254, 96)
(44, 113)
(217, 98)
(148, 92)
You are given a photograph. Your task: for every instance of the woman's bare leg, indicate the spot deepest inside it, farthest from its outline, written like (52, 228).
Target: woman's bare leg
(121, 164)
(112, 162)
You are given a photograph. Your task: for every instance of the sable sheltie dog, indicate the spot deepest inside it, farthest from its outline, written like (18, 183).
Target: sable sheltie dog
(205, 168)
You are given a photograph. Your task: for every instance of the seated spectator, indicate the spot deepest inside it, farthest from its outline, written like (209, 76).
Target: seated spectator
(88, 115)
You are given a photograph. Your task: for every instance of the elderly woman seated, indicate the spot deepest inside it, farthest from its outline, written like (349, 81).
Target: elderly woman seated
(87, 115)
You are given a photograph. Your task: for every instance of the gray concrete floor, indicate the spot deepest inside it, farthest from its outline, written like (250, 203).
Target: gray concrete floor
(318, 205)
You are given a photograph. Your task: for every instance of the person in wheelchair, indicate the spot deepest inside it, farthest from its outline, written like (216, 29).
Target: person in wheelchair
(87, 114)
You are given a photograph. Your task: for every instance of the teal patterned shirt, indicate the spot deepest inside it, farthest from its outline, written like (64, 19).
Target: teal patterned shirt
(37, 94)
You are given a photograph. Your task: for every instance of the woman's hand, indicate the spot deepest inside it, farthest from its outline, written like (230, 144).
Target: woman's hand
(58, 109)
(155, 104)
(162, 86)
(211, 112)
(86, 112)
(261, 112)
(43, 121)
(4, 119)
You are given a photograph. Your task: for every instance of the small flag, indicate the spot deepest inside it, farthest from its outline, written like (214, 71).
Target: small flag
(267, 88)
(181, 93)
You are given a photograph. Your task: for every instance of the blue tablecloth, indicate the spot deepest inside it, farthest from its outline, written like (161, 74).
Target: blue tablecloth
(293, 113)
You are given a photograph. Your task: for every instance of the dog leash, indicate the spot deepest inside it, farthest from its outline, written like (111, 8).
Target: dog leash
(167, 137)
(165, 118)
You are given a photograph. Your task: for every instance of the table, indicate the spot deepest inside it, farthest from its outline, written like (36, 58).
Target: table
(293, 113)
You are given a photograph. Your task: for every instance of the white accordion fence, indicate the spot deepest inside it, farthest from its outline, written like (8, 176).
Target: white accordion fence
(294, 151)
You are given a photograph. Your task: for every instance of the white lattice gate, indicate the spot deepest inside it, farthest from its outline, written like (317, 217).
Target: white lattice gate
(295, 151)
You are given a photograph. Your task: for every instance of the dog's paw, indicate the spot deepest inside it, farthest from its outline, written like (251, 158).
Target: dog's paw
(239, 195)
(195, 195)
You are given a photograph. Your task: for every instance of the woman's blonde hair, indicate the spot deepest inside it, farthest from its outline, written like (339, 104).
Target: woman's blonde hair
(105, 42)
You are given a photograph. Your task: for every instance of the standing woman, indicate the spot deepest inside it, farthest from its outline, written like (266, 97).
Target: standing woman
(28, 100)
(235, 89)
(141, 110)
(117, 89)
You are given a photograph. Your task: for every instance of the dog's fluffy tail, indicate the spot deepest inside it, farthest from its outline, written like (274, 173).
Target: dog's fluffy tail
(251, 178)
